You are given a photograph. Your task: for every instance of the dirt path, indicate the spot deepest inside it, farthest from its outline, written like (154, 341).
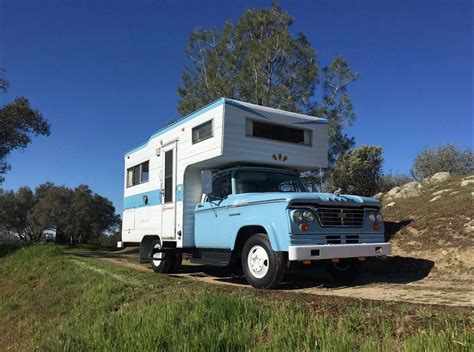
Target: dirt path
(396, 279)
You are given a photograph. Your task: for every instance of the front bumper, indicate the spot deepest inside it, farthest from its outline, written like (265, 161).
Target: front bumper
(329, 251)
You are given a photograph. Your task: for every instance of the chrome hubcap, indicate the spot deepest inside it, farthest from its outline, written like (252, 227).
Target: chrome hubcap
(258, 261)
(158, 255)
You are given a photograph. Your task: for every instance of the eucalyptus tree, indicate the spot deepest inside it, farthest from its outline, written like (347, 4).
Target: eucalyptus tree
(259, 60)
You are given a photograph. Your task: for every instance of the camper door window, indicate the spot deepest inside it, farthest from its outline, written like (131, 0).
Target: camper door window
(202, 132)
(138, 174)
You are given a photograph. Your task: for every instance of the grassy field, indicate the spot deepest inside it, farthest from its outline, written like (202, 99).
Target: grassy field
(51, 300)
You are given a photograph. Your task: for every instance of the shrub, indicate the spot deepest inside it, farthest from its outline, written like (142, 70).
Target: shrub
(359, 171)
(446, 157)
(391, 180)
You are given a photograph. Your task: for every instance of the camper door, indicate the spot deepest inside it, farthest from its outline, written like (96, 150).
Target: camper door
(168, 208)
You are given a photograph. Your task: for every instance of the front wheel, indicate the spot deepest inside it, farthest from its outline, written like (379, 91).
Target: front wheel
(263, 268)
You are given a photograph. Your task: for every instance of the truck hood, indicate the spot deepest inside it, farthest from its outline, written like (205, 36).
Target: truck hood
(305, 198)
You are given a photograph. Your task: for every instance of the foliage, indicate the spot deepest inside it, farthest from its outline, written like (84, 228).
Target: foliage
(359, 171)
(15, 210)
(258, 60)
(69, 303)
(76, 215)
(18, 123)
(447, 157)
(391, 180)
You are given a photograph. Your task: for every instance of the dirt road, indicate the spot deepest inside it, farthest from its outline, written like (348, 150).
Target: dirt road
(396, 279)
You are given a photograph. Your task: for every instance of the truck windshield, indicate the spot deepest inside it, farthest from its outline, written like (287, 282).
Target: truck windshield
(248, 181)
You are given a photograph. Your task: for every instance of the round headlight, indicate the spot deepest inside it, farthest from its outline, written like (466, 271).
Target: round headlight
(372, 217)
(379, 218)
(297, 216)
(308, 215)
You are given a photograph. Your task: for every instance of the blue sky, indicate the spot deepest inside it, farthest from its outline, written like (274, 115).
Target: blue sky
(105, 73)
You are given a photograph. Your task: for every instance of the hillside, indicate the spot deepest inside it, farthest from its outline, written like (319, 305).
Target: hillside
(435, 222)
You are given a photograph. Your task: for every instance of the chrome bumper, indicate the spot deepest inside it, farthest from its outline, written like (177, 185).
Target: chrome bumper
(329, 251)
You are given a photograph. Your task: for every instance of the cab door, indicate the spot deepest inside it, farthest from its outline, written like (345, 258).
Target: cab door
(168, 191)
(211, 217)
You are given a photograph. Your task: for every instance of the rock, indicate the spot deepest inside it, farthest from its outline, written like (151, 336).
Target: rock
(397, 196)
(468, 177)
(437, 193)
(435, 199)
(467, 182)
(393, 191)
(410, 189)
(389, 205)
(378, 195)
(439, 177)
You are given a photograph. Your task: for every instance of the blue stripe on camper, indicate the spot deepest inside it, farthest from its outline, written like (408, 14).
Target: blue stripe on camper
(179, 122)
(179, 193)
(136, 201)
(154, 198)
(243, 107)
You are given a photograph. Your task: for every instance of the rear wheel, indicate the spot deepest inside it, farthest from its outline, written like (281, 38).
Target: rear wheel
(263, 268)
(163, 262)
(345, 270)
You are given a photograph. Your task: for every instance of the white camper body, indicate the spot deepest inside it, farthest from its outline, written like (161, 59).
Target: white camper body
(162, 176)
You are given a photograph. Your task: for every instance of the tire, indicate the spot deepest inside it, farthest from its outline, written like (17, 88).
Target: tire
(263, 268)
(165, 263)
(346, 270)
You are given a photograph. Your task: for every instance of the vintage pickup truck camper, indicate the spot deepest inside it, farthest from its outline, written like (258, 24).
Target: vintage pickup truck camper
(222, 186)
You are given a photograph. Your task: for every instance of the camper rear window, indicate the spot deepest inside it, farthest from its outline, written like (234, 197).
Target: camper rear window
(138, 174)
(202, 132)
(280, 133)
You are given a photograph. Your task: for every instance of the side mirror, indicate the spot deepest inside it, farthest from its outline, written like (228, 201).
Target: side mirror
(206, 181)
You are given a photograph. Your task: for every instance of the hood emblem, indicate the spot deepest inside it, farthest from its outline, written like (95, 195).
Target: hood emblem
(337, 192)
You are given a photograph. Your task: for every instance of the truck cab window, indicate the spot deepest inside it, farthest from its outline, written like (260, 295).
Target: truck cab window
(221, 186)
(267, 181)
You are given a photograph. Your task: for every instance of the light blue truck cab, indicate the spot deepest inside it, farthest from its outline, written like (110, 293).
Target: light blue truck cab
(266, 218)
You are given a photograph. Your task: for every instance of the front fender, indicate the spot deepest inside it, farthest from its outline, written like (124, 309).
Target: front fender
(273, 219)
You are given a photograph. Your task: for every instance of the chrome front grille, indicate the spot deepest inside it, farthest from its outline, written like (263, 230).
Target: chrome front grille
(340, 217)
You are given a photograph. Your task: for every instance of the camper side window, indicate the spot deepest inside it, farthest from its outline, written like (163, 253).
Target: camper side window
(279, 133)
(138, 174)
(202, 132)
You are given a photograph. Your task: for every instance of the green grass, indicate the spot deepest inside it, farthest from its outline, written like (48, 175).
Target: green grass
(51, 300)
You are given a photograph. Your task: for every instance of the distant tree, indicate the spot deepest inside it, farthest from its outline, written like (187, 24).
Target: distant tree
(15, 208)
(447, 157)
(260, 61)
(78, 215)
(18, 123)
(359, 171)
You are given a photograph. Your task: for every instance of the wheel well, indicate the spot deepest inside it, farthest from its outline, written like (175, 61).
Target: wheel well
(244, 234)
